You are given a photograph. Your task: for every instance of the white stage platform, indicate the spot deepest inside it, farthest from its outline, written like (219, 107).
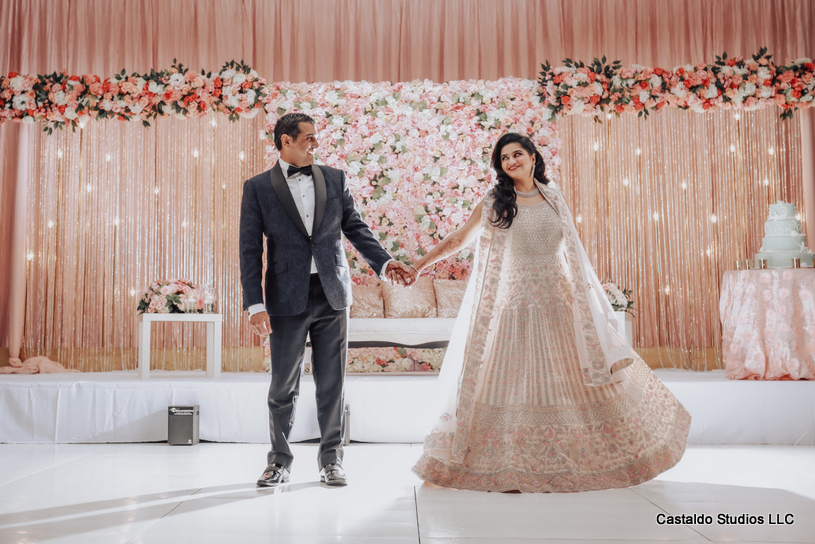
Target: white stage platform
(120, 407)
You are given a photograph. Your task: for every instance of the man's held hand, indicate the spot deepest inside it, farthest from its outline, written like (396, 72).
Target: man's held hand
(260, 324)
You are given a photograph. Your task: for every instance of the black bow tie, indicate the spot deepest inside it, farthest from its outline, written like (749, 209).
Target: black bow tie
(294, 170)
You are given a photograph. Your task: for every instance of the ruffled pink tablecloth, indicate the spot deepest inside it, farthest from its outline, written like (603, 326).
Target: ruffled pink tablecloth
(768, 324)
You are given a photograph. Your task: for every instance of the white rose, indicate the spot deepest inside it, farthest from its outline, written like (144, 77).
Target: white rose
(176, 79)
(70, 114)
(228, 74)
(239, 78)
(355, 167)
(679, 91)
(155, 88)
(17, 83)
(712, 92)
(20, 102)
(135, 108)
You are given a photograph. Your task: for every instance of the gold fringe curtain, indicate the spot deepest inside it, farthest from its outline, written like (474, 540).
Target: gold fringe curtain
(116, 206)
(666, 205)
(123, 206)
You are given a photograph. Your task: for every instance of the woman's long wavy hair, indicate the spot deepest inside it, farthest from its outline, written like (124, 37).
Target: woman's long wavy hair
(504, 191)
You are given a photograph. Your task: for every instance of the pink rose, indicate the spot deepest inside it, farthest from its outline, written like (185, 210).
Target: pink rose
(168, 290)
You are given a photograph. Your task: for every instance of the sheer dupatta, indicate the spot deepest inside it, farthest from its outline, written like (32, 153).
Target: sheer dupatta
(603, 353)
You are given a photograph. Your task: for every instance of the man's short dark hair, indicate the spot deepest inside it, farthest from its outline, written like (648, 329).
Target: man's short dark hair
(289, 124)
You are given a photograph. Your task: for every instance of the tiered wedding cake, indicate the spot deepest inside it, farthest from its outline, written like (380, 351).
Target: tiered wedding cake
(783, 240)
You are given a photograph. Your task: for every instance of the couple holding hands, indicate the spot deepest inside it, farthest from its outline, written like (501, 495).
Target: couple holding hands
(542, 393)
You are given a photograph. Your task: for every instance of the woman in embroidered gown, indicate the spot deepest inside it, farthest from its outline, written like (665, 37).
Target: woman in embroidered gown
(543, 395)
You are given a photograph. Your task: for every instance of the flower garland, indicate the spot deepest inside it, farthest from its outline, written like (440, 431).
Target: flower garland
(394, 360)
(602, 88)
(417, 154)
(168, 296)
(58, 100)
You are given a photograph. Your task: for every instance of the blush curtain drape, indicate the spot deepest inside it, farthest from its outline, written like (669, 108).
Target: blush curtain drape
(375, 40)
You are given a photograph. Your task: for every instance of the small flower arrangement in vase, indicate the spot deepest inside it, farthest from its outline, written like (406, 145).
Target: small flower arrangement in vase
(176, 296)
(620, 299)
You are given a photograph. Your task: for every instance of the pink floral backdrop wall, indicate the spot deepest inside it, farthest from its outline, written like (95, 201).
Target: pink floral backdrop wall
(417, 154)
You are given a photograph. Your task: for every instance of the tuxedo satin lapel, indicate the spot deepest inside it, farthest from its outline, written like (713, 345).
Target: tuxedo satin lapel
(319, 196)
(281, 189)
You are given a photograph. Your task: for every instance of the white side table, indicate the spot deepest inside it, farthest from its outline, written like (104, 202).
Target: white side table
(214, 329)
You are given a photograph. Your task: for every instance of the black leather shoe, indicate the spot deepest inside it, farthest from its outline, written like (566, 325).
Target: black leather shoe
(333, 475)
(274, 475)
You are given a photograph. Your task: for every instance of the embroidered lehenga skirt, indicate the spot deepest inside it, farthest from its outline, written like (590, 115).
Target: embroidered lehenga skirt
(535, 426)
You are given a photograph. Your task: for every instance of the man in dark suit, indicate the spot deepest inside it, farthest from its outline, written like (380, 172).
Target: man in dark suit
(303, 210)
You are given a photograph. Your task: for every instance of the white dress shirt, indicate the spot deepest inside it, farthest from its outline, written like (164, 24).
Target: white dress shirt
(301, 187)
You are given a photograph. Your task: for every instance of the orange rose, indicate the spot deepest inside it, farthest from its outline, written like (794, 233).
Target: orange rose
(565, 99)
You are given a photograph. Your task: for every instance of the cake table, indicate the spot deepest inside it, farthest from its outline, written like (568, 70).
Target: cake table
(768, 324)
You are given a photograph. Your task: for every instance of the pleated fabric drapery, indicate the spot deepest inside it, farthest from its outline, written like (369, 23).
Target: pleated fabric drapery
(391, 40)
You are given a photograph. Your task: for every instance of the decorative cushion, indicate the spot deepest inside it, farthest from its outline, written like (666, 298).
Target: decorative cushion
(367, 301)
(449, 294)
(416, 301)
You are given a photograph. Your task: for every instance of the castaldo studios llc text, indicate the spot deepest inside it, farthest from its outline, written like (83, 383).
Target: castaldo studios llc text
(725, 519)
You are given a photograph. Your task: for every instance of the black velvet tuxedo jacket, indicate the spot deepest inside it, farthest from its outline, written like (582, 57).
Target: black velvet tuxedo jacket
(268, 209)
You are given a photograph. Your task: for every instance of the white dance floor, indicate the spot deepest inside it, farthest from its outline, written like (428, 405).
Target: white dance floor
(206, 494)
(386, 408)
